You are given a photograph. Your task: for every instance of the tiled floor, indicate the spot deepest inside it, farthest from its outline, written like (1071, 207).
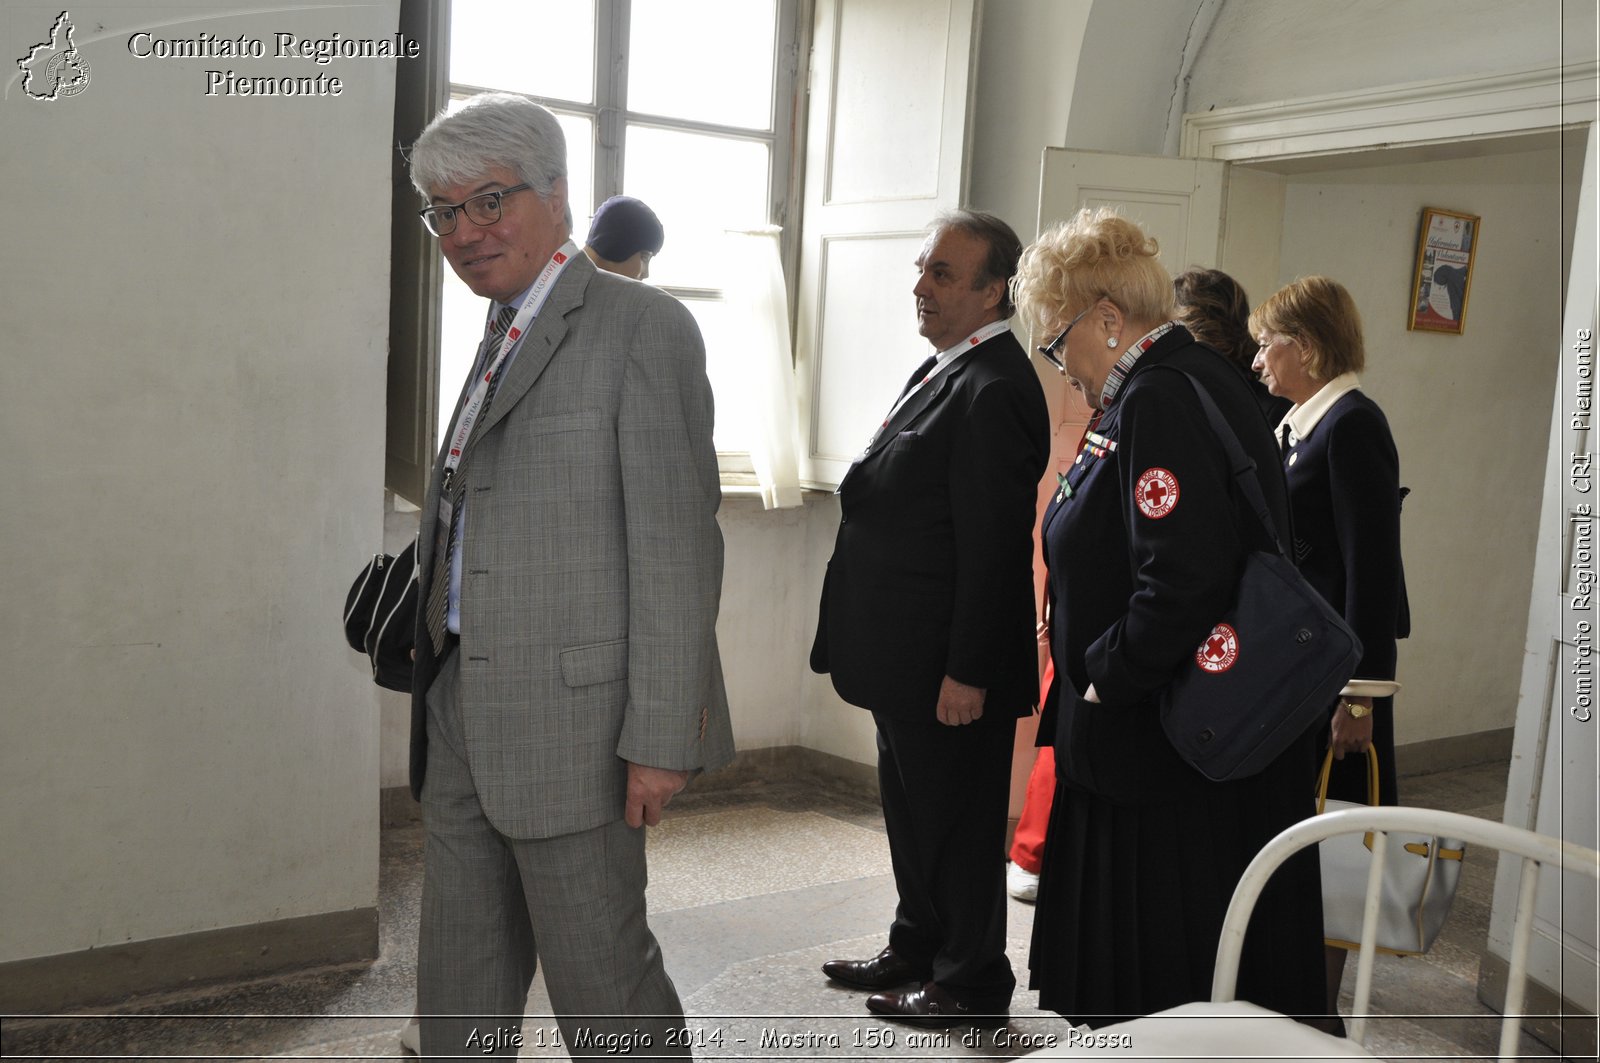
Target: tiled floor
(753, 886)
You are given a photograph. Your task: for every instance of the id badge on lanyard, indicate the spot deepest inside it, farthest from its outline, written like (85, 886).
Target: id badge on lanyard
(532, 303)
(982, 335)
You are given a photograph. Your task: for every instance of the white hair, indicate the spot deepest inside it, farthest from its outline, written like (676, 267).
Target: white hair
(494, 129)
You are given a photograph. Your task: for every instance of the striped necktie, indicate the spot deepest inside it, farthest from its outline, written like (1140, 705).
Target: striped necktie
(439, 588)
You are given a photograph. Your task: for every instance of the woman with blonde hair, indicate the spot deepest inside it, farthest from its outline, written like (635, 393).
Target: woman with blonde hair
(1344, 491)
(1144, 544)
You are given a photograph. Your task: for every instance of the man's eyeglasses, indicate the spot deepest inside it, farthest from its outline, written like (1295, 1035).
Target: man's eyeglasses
(1052, 350)
(482, 209)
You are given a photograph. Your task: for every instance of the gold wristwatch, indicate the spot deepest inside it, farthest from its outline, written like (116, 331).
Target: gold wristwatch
(1356, 709)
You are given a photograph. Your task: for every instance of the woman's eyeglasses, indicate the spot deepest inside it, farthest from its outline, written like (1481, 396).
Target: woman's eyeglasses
(1052, 350)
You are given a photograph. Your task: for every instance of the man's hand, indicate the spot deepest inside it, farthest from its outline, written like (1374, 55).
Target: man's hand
(958, 703)
(649, 791)
(1351, 735)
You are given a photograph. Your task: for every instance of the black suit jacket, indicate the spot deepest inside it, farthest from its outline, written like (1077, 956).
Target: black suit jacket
(932, 570)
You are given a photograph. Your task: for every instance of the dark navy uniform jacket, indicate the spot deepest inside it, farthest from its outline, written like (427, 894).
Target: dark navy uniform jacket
(1145, 543)
(1344, 491)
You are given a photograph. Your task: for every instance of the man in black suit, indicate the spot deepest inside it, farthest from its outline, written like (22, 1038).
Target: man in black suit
(927, 620)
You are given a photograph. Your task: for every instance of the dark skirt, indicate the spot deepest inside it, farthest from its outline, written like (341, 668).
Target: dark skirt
(1131, 900)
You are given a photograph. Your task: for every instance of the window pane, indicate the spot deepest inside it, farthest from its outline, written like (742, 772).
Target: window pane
(698, 186)
(579, 131)
(460, 332)
(725, 369)
(491, 47)
(673, 73)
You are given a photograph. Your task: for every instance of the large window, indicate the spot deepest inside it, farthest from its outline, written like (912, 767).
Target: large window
(688, 105)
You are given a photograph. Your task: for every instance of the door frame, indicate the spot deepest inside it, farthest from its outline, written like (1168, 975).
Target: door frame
(1442, 111)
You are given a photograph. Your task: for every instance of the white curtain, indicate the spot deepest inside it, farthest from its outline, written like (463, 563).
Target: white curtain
(759, 309)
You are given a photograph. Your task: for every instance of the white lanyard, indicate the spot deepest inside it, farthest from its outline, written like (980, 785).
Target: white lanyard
(531, 305)
(946, 356)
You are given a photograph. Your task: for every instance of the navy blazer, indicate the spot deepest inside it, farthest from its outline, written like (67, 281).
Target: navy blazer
(932, 568)
(1344, 491)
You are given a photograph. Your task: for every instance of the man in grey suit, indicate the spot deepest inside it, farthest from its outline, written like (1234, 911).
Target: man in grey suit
(567, 678)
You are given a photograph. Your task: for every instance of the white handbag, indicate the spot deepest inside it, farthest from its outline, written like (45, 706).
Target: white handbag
(1420, 875)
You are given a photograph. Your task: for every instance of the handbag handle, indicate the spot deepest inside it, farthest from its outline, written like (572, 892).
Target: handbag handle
(1241, 464)
(1327, 769)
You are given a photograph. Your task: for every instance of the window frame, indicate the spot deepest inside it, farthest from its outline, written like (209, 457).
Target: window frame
(416, 277)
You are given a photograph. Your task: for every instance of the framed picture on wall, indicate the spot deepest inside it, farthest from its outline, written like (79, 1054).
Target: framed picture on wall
(1446, 246)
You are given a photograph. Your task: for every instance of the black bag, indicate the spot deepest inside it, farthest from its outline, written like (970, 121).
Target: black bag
(1274, 664)
(380, 616)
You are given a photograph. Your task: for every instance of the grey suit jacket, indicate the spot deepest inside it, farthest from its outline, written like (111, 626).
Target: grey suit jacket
(591, 565)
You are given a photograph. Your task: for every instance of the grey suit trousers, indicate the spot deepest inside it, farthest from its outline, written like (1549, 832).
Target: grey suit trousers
(493, 906)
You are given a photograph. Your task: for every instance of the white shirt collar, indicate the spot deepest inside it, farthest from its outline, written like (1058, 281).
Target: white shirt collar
(983, 334)
(1303, 417)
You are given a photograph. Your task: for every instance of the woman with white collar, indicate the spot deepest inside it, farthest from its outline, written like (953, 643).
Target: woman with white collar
(1344, 493)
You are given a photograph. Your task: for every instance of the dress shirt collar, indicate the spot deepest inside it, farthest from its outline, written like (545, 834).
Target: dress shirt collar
(983, 334)
(522, 296)
(1302, 418)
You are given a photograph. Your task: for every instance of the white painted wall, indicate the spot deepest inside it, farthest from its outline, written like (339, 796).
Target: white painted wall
(768, 617)
(1263, 50)
(1027, 63)
(394, 713)
(1126, 74)
(1469, 413)
(194, 323)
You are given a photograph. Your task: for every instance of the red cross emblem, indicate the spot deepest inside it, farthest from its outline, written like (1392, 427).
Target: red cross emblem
(1219, 651)
(1156, 493)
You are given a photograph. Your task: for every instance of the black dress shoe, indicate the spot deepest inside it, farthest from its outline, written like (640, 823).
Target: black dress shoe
(883, 971)
(932, 1006)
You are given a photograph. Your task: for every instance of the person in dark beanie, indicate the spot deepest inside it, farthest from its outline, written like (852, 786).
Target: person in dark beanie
(624, 236)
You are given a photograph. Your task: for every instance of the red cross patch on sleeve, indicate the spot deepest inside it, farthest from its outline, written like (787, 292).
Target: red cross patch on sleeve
(1220, 649)
(1156, 493)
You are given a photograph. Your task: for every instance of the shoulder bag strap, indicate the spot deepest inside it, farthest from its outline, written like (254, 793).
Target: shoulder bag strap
(1243, 467)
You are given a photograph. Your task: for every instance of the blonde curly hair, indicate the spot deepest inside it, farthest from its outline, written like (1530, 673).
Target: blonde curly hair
(1097, 252)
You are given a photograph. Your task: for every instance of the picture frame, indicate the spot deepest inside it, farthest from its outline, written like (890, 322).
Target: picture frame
(1447, 246)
